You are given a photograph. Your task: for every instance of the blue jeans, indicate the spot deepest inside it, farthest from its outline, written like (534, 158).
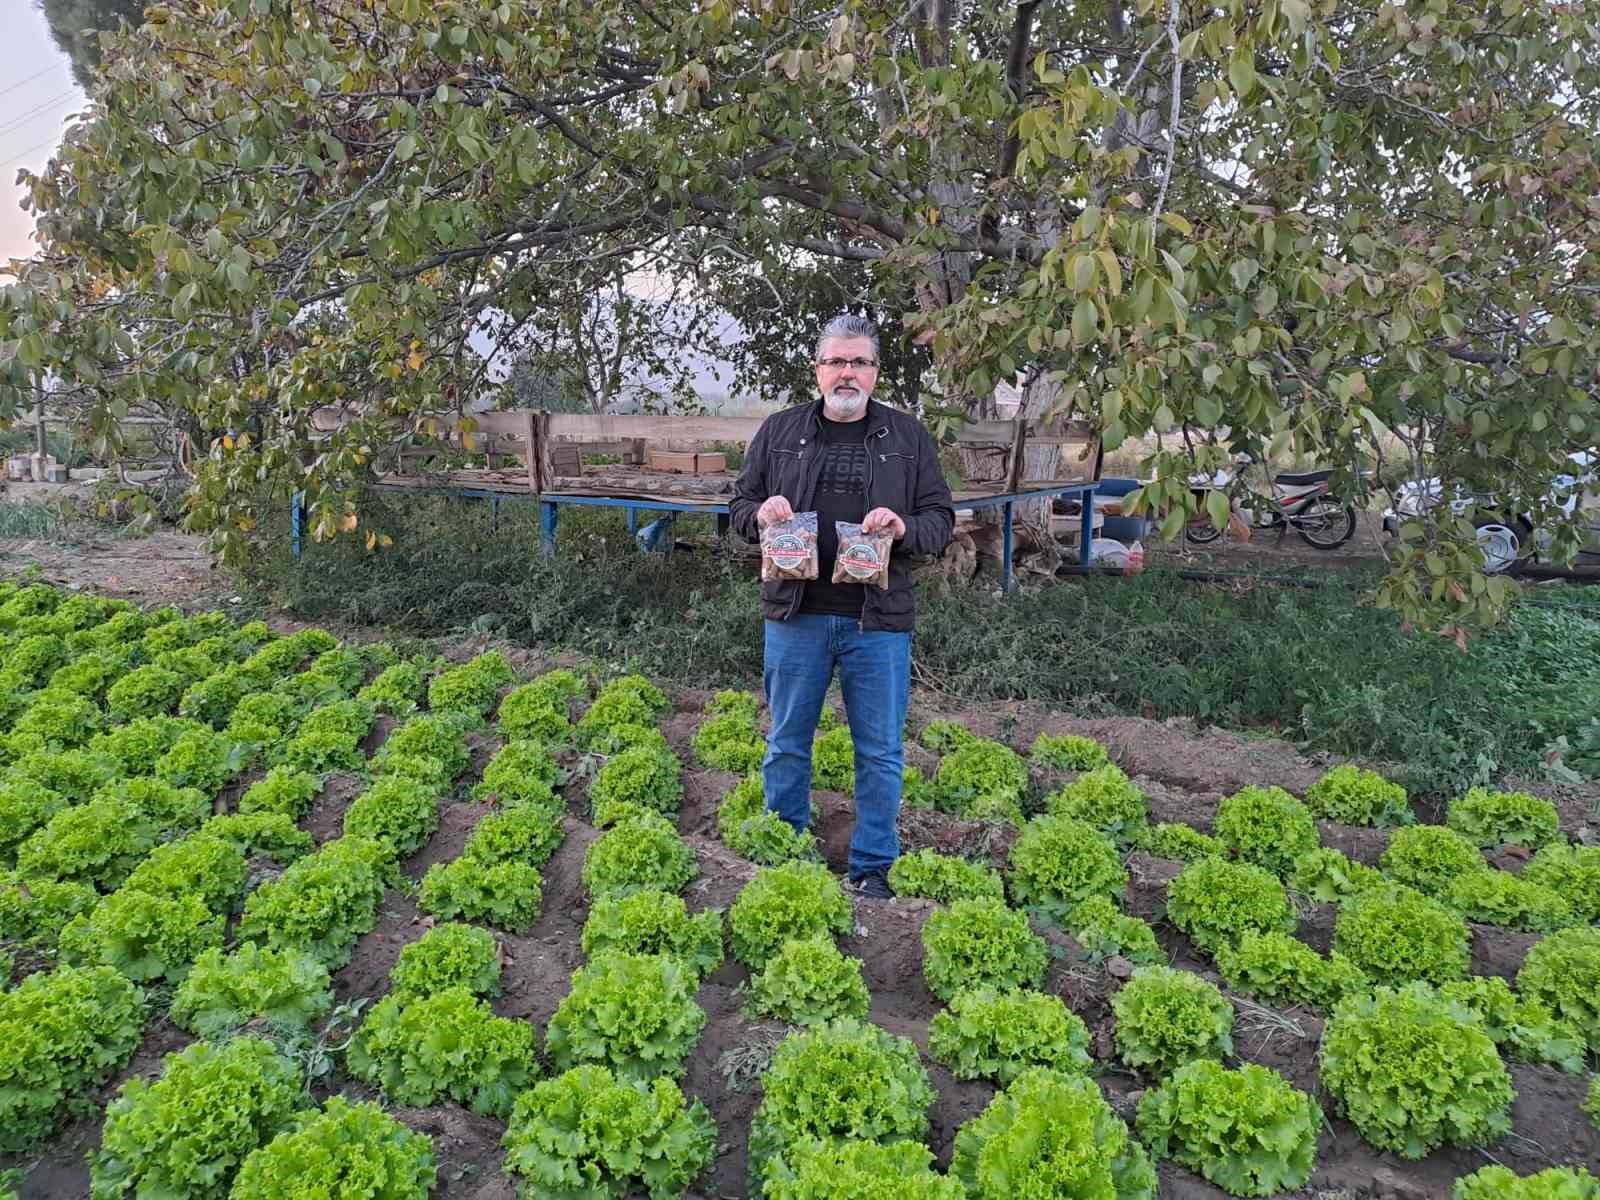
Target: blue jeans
(875, 676)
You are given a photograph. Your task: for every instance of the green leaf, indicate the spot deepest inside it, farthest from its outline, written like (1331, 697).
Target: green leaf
(1085, 320)
(1242, 75)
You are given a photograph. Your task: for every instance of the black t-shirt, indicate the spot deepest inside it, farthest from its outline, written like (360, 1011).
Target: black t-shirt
(841, 496)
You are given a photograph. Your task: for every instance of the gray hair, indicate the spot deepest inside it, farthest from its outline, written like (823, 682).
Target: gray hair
(849, 325)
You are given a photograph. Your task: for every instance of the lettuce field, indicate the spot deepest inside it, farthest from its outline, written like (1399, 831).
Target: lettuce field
(282, 916)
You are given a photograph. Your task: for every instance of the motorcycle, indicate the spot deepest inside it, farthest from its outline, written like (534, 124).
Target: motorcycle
(1298, 500)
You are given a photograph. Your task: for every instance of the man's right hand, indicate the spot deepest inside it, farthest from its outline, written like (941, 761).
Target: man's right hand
(774, 509)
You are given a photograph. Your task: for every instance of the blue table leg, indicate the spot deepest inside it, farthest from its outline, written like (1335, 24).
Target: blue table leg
(1005, 547)
(633, 521)
(1086, 529)
(297, 522)
(547, 527)
(494, 514)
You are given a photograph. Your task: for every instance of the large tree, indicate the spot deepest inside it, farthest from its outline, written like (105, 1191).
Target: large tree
(1324, 227)
(76, 26)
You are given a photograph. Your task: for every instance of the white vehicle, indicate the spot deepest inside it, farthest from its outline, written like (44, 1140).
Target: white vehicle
(1507, 539)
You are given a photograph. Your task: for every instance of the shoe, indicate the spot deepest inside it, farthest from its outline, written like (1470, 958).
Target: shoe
(874, 887)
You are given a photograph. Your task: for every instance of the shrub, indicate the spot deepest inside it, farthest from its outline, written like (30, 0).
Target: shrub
(1217, 902)
(942, 736)
(614, 739)
(1327, 876)
(322, 903)
(980, 943)
(169, 808)
(1167, 1017)
(400, 812)
(795, 900)
(521, 772)
(1525, 1029)
(833, 762)
(1050, 1137)
(642, 852)
(143, 935)
(260, 834)
(1356, 797)
(470, 689)
(1500, 898)
(633, 1013)
(1428, 857)
(856, 1170)
(1591, 1103)
(1171, 839)
(982, 781)
(206, 867)
(75, 774)
(395, 690)
(987, 1033)
(653, 922)
(1573, 873)
(589, 1133)
(1501, 1183)
(1414, 1071)
(807, 982)
(1104, 930)
(1266, 826)
(288, 990)
(561, 686)
(202, 759)
(281, 790)
(267, 710)
(1247, 1131)
(944, 878)
(344, 1151)
(844, 1079)
(1397, 935)
(1563, 971)
(729, 743)
(450, 1045)
(750, 830)
(187, 1133)
(744, 705)
(329, 739)
(629, 700)
(528, 834)
(1281, 969)
(447, 956)
(1067, 752)
(639, 776)
(1487, 818)
(25, 806)
(98, 843)
(506, 895)
(144, 692)
(1106, 799)
(1057, 863)
(917, 790)
(62, 1034)
(33, 911)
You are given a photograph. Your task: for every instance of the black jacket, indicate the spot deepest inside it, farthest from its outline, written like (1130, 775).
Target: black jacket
(903, 475)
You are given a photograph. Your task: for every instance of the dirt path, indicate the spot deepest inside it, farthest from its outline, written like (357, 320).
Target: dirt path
(166, 567)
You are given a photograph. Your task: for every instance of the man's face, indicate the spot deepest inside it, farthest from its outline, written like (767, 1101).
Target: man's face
(844, 385)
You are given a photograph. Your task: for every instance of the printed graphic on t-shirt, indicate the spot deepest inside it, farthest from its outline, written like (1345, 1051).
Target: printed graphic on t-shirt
(844, 469)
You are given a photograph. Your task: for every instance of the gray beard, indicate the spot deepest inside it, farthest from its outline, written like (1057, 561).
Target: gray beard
(844, 406)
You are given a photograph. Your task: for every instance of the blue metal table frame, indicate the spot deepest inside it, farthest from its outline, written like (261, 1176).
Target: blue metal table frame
(549, 514)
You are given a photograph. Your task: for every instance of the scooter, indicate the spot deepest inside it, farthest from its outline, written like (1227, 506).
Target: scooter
(1298, 500)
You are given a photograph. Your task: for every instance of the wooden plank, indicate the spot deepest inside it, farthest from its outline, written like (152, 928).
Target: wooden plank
(530, 451)
(608, 427)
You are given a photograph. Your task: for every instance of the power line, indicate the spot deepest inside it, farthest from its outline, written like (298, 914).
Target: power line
(35, 112)
(21, 158)
(13, 87)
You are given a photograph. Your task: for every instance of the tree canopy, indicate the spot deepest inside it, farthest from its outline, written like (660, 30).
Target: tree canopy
(1333, 228)
(75, 26)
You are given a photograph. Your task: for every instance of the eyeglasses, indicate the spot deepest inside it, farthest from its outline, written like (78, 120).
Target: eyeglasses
(860, 364)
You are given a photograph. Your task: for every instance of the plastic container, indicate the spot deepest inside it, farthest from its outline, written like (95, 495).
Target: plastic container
(1125, 529)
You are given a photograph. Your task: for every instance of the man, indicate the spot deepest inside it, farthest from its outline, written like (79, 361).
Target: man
(847, 459)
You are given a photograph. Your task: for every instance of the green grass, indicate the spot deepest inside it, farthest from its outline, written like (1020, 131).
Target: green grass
(1318, 666)
(29, 519)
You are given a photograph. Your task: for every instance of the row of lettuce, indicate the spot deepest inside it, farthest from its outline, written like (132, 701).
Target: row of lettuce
(843, 1100)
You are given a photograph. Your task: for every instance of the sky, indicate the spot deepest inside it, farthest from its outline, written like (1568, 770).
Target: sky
(37, 96)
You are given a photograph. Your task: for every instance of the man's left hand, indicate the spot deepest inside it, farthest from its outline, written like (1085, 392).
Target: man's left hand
(883, 520)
